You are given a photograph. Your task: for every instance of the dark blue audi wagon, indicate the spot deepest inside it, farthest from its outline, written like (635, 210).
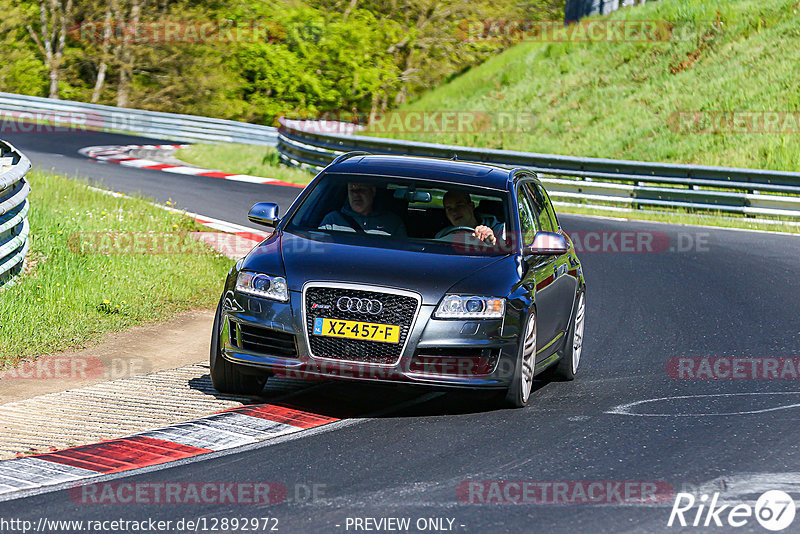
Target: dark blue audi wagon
(398, 268)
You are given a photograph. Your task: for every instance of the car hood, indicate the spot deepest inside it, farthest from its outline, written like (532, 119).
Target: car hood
(430, 274)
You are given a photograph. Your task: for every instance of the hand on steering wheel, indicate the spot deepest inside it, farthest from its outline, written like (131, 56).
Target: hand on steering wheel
(482, 233)
(485, 234)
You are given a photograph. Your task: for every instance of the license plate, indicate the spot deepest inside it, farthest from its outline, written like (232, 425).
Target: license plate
(387, 333)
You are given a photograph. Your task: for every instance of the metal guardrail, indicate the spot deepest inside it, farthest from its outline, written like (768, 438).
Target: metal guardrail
(575, 10)
(14, 227)
(592, 181)
(82, 116)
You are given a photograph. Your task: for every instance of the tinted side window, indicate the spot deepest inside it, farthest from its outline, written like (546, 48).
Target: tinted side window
(545, 223)
(527, 218)
(548, 206)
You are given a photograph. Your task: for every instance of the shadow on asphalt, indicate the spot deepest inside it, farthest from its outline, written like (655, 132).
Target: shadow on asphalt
(345, 399)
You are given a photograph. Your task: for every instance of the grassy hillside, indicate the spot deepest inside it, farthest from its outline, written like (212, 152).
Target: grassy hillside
(616, 99)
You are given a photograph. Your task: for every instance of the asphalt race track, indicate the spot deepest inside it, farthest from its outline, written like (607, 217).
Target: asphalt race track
(697, 293)
(59, 151)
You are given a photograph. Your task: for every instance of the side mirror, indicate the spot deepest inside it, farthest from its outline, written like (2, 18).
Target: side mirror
(547, 244)
(265, 213)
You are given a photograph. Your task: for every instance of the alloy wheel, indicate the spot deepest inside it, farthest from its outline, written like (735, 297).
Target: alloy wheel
(577, 338)
(528, 357)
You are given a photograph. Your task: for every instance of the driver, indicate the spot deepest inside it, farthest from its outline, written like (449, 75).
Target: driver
(460, 211)
(359, 212)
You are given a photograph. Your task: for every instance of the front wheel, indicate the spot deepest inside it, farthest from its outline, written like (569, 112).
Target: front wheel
(522, 382)
(227, 377)
(567, 365)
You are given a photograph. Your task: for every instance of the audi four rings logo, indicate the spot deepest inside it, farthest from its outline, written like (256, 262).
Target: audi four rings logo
(351, 304)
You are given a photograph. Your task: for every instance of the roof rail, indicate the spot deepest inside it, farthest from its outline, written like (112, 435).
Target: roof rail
(348, 155)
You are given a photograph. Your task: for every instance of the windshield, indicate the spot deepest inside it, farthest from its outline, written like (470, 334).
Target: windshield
(404, 213)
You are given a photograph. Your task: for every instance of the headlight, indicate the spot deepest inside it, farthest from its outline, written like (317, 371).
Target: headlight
(460, 307)
(262, 285)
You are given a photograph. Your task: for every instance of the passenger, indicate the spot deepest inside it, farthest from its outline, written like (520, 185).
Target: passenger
(460, 211)
(358, 213)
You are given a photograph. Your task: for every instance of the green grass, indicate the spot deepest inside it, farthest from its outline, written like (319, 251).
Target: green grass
(243, 159)
(615, 100)
(74, 292)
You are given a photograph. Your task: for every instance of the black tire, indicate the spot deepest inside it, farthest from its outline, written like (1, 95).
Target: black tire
(516, 396)
(565, 369)
(227, 377)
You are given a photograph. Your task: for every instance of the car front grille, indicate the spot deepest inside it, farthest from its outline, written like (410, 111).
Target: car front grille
(321, 302)
(266, 341)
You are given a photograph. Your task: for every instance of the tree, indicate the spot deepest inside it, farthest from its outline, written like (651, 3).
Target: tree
(104, 53)
(55, 18)
(131, 13)
(429, 47)
(342, 56)
(23, 70)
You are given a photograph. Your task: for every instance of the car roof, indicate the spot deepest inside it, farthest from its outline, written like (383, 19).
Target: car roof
(441, 170)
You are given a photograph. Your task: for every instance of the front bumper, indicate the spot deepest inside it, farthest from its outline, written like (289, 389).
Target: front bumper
(455, 353)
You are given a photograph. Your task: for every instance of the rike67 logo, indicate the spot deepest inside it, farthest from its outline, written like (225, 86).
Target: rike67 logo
(774, 510)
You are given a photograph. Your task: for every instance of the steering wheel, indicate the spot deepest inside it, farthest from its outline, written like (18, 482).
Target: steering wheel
(457, 229)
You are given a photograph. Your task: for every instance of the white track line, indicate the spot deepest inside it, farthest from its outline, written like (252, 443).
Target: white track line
(119, 154)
